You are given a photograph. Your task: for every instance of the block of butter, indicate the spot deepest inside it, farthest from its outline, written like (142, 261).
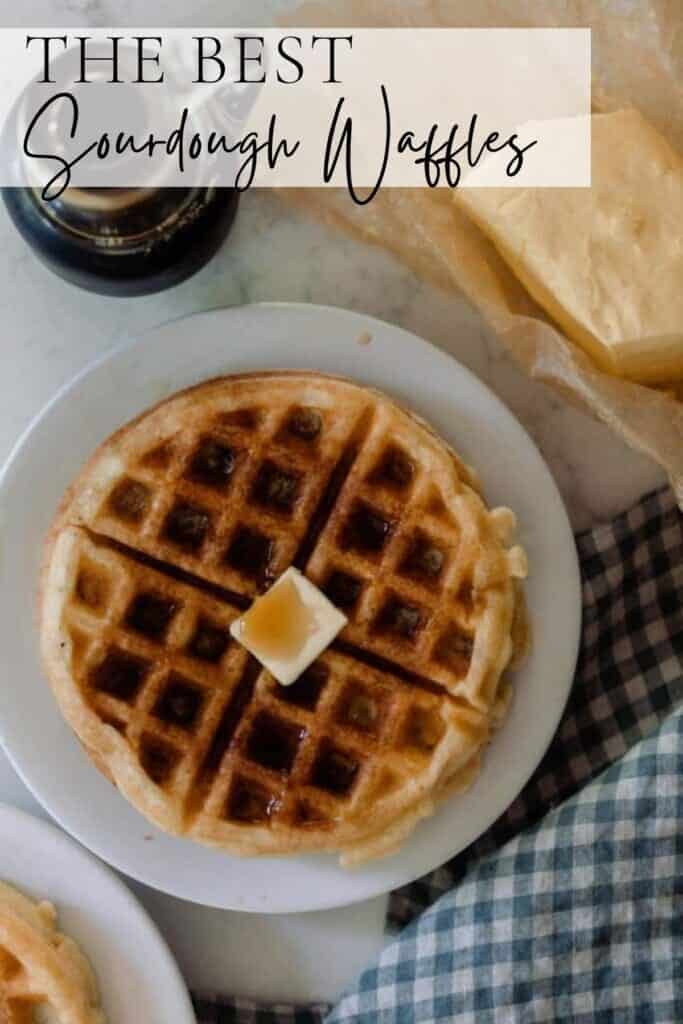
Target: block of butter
(605, 263)
(289, 626)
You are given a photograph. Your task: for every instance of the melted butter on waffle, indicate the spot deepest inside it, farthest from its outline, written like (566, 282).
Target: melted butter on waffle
(279, 624)
(289, 626)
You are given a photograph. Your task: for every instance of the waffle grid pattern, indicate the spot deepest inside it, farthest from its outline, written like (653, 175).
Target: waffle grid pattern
(387, 550)
(156, 661)
(218, 487)
(399, 565)
(272, 463)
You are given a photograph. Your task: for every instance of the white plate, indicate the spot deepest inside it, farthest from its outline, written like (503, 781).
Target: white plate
(179, 354)
(137, 976)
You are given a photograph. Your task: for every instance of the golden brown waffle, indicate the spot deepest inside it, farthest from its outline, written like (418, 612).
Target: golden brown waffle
(175, 524)
(204, 741)
(41, 971)
(225, 479)
(416, 561)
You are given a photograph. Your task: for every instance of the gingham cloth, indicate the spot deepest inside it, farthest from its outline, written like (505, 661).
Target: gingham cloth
(570, 908)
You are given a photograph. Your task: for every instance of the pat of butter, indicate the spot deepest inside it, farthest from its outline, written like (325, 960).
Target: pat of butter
(289, 627)
(605, 262)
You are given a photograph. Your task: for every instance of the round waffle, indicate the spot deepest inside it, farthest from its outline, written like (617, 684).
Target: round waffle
(43, 974)
(186, 514)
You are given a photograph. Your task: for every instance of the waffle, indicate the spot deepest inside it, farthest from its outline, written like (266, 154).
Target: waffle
(414, 558)
(186, 514)
(224, 480)
(203, 741)
(41, 971)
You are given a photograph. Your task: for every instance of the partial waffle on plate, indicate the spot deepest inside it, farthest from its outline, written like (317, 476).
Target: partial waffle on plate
(44, 976)
(185, 515)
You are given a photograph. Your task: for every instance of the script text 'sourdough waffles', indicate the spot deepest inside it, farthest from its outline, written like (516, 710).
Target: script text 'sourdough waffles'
(183, 517)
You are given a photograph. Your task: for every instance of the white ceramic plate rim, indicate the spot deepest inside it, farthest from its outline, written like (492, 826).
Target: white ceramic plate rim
(134, 966)
(282, 335)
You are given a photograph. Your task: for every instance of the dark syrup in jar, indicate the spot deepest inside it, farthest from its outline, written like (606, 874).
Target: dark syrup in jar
(124, 242)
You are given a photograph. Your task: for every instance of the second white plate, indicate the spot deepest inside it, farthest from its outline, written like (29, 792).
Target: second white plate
(133, 377)
(136, 974)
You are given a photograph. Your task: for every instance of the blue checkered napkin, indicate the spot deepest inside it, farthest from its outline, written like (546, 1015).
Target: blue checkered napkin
(580, 914)
(579, 919)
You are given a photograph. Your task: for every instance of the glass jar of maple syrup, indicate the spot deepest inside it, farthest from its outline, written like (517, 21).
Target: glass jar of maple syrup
(124, 241)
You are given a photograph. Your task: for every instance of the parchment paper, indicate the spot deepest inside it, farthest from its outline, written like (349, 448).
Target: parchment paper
(637, 48)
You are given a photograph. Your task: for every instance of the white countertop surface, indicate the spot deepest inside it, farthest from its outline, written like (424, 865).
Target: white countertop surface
(51, 330)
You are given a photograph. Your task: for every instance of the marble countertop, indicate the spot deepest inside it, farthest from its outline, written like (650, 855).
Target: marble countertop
(51, 331)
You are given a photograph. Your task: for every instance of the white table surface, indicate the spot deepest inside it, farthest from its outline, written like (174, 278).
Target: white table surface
(51, 330)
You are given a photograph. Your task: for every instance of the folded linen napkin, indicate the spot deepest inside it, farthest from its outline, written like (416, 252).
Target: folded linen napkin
(570, 908)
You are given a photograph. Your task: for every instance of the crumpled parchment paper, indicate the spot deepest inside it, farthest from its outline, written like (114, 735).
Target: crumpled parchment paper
(637, 49)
